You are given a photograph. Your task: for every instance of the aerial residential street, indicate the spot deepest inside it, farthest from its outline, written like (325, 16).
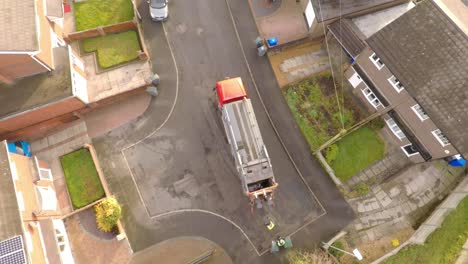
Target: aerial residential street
(180, 140)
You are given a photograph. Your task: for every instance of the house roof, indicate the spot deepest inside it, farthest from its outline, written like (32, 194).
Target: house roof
(428, 53)
(10, 220)
(18, 26)
(330, 9)
(349, 36)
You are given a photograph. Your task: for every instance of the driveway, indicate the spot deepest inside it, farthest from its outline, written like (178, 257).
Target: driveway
(171, 168)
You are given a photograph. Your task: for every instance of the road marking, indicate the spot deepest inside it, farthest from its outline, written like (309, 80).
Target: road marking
(175, 100)
(167, 119)
(264, 107)
(211, 213)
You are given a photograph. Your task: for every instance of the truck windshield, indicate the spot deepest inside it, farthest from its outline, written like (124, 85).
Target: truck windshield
(158, 4)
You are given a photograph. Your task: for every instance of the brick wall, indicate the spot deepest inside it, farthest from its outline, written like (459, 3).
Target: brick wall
(32, 117)
(13, 66)
(101, 31)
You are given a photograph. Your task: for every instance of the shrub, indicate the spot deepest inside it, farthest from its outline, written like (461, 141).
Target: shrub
(331, 153)
(327, 75)
(108, 212)
(335, 252)
(362, 189)
(305, 257)
(376, 124)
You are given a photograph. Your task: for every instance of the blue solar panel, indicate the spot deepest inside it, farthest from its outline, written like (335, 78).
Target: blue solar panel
(12, 251)
(13, 258)
(11, 245)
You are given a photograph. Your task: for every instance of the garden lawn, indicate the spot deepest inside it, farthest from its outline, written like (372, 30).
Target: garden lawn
(442, 246)
(314, 106)
(84, 185)
(93, 13)
(114, 49)
(356, 152)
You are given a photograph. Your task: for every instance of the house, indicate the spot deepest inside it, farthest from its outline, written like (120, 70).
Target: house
(31, 229)
(29, 33)
(45, 84)
(414, 72)
(321, 13)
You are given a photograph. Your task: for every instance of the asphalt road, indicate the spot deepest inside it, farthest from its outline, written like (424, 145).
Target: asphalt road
(191, 144)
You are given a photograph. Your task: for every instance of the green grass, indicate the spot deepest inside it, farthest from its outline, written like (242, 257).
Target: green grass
(442, 246)
(357, 151)
(84, 185)
(93, 13)
(317, 113)
(114, 49)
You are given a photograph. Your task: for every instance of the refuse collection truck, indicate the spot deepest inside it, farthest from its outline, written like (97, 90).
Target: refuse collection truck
(250, 153)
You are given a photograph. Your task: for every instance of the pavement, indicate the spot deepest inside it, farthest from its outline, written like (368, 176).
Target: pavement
(286, 22)
(84, 245)
(179, 137)
(463, 258)
(296, 62)
(193, 247)
(402, 202)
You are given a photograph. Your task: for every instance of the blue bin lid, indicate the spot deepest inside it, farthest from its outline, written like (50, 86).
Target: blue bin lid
(458, 162)
(272, 41)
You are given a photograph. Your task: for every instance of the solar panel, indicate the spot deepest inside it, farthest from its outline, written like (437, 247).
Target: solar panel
(13, 258)
(12, 251)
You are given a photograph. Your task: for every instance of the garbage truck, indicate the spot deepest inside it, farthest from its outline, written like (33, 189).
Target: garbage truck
(250, 154)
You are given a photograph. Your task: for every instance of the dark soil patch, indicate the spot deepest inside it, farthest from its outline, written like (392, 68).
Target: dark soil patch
(88, 222)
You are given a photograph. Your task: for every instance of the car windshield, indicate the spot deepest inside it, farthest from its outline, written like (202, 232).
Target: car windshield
(158, 3)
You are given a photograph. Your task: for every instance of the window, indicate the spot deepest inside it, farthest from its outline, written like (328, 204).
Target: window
(443, 140)
(19, 197)
(370, 96)
(409, 150)
(395, 129)
(47, 198)
(396, 84)
(355, 80)
(420, 112)
(377, 61)
(45, 174)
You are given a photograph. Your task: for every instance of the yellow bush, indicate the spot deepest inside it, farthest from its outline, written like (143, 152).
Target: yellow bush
(108, 212)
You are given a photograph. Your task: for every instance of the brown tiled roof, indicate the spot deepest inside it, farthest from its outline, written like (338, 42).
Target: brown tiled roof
(18, 25)
(332, 9)
(428, 53)
(10, 221)
(349, 36)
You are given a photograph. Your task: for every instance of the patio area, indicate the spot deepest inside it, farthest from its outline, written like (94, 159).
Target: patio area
(85, 241)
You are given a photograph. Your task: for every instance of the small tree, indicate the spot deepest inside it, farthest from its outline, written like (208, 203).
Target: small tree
(305, 257)
(108, 212)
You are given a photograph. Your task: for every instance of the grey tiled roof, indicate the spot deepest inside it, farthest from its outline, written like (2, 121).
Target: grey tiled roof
(332, 9)
(10, 221)
(18, 25)
(349, 36)
(428, 53)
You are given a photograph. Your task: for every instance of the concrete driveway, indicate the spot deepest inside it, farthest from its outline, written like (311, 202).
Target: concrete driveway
(171, 168)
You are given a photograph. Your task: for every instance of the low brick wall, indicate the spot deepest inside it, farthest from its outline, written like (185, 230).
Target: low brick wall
(101, 31)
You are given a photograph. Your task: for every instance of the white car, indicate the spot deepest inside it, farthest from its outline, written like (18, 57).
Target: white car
(158, 10)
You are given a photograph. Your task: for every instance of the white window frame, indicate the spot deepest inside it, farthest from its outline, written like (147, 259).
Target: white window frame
(369, 98)
(396, 83)
(20, 198)
(355, 80)
(377, 61)
(417, 108)
(39, 169)
(437, 134)
(407, 154)
(396, 130)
